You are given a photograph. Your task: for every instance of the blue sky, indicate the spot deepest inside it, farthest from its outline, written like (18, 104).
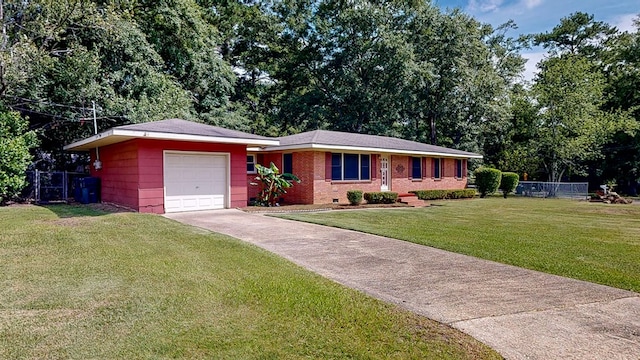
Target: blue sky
(535, 16)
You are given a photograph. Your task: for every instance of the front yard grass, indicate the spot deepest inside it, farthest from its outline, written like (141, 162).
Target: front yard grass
(589, 241)
(78, 283)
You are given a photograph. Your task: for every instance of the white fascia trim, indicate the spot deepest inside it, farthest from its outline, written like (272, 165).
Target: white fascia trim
(171, 136)
(369, 149)
(189, 137)
(89, 140)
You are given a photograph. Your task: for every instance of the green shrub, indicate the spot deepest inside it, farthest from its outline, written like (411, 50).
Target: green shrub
(354, 196)
(444, 194)
(381, 197)
(487, 180)
(430, 194)
(508, 183)
(461, 194)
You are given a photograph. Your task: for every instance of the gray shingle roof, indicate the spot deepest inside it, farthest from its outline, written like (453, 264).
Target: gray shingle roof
(335, 138)
(179, 126)
(171, 129)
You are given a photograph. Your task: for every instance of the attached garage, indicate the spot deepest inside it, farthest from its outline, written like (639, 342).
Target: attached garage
(195, 181)
(171, 165)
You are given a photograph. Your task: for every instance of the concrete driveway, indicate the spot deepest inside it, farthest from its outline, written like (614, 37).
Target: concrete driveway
(522, 314)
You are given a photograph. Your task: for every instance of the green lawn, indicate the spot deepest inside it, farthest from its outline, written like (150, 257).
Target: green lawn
(82, 284)
(589, 241)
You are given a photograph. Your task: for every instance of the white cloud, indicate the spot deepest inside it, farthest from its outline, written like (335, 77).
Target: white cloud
(530, 4)
(484, 5)
(624, 22)
(530, 69)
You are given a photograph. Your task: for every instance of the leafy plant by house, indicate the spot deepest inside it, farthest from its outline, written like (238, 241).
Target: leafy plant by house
(508, 183)
(273, 184)
(487, 180)
(354, 197)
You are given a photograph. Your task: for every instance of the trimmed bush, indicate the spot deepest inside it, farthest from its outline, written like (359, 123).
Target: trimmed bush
(354, 196)
(444, 194)
(381, 197)
(508, 183)
(430, 194)
(461, 194)
(487, 180)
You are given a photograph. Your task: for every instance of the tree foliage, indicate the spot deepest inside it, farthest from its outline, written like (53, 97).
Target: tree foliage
(397, 68)
(577, 34)
(570, 117)
(621, 66)
(139, 60)
(571, 125)
(15, 142)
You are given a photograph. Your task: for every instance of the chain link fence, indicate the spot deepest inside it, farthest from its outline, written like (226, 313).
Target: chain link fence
(47, 187)
(578, 191)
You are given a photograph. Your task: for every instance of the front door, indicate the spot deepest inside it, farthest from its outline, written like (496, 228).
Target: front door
(384, 173)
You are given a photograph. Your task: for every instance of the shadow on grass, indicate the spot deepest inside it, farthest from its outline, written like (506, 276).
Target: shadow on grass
(77, 210)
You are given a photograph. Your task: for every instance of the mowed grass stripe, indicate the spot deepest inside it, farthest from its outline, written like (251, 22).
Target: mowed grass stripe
(78, 283)
(589, 241)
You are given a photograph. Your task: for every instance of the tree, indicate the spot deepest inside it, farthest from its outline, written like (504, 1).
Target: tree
(391, 68)
(571, 126)
(509, 144)
(15, 142)
(621, 66)
(576, 34)
(139, 60)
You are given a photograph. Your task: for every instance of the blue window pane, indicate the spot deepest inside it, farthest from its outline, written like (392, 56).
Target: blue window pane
(416, 168)
(365, 165)
(458, 168)
(336, 166)
(351, 167)
(436, 168)
(287, 163)
(251, 164)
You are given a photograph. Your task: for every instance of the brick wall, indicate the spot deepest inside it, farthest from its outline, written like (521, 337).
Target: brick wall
(317, 188)
(403, 183)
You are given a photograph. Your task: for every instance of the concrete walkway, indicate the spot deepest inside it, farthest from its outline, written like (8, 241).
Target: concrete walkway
(520, 313)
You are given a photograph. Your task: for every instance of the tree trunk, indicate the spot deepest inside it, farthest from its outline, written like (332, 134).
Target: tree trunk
(432, 125)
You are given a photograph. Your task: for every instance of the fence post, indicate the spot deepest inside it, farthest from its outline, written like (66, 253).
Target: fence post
(36, 178)
(65, 186)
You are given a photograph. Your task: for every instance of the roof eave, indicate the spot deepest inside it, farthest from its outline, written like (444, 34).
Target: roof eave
(310, 146)
(114, 136)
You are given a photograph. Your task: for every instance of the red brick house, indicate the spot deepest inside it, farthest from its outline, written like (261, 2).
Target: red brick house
(176, 165)
(330, 163)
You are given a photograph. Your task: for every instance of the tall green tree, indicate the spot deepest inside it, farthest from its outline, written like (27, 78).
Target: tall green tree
(577, 33)
(399, 68)
(15, 142)
(511, 144)
(572, 127)
(621, 66)
(139, 60)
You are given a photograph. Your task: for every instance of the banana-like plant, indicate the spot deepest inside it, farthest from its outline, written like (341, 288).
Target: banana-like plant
(273, 184)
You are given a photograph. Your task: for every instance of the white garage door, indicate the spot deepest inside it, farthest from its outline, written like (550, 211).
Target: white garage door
(194, 181)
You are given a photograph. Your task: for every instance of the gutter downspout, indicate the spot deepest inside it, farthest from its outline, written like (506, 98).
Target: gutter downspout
(96, 164)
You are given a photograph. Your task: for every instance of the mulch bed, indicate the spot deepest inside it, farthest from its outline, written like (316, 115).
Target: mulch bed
(319, 207)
